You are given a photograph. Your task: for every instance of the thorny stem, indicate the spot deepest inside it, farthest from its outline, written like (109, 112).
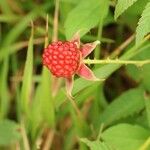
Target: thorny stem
(116, 61)
(119, 61)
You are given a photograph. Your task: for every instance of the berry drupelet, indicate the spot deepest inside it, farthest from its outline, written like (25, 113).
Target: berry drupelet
(62, 58)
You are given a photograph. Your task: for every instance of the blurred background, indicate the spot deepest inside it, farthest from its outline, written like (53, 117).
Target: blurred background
(30, 116)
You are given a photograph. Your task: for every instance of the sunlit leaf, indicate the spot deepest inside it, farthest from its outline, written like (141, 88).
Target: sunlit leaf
(85, 16)
(125, 136)
(27, 76)
(143, 27)
(127, 104)
(122, 5)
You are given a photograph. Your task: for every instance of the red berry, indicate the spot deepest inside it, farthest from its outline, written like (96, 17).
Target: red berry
(62, 58)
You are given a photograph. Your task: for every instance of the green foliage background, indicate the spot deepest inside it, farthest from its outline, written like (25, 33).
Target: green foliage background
(114, 114)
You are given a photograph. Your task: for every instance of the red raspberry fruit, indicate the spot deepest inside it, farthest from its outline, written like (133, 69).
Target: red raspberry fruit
(62, 58)
(65, 59)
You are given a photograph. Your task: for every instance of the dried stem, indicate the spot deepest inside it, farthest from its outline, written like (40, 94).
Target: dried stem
(46, 36)
(17, 146)
(119, 49)
(49, 140)
(55, 81)
(55, 26)
(24, 137)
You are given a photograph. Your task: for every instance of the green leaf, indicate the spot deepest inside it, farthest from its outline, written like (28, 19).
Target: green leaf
(147, 106)
(81, 127)
(35, 119)
(95, 145)
(127, 104)
(143, 27)
(27, 76)
(6, 9)
(125, 136)
(85, 16)
(46, 98)
(122, 5)
(8, 132)
(65, 8)
(139, 5)
(142, 73)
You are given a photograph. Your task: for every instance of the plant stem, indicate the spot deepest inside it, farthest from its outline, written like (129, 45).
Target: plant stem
(24, 136)
(46, 35)
(49, 139)
(98, 49)
(116, 61)
(128, 55)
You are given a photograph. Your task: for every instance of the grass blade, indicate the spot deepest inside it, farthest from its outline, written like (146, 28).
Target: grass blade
(4, 96)
(27, 77)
